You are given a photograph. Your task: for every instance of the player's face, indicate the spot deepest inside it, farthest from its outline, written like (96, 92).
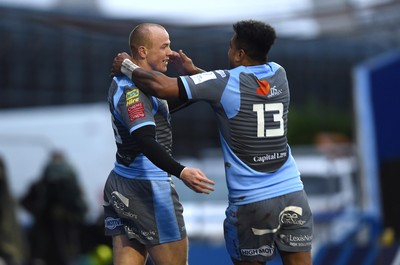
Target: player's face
(158, 54)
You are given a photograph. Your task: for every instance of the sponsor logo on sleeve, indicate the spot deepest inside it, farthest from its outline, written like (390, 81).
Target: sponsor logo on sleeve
(136, 111)
(200, 78)
(134, 93)
(221, 73)
(132, 96)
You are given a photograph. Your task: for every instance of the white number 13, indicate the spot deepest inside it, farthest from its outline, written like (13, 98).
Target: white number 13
(262, 131)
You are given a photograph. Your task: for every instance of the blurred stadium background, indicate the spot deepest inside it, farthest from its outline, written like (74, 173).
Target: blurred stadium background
(341, 57)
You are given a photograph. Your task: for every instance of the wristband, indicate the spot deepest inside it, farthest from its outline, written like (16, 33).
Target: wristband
(128, 67)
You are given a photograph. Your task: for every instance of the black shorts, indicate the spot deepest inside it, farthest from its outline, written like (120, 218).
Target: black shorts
(253, 231)
(145, 210)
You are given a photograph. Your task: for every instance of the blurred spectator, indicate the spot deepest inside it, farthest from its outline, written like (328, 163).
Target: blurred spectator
(12, 249)
(57, 205)
(333, 144)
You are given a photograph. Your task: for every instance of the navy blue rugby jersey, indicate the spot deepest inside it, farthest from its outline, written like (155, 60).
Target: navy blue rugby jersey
(251, 104)
(131, 109)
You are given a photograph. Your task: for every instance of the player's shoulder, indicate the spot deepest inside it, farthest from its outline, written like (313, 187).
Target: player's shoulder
(122, 81)
(275, 66)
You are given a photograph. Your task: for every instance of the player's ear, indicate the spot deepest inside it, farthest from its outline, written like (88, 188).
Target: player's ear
(142, 51)
(240, 55)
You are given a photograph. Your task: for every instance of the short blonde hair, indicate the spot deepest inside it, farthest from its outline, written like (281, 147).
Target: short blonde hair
(141, 36)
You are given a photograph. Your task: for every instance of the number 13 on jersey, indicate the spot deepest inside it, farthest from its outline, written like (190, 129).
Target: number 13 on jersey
(262, 128)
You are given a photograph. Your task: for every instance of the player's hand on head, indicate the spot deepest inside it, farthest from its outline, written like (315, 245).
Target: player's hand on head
(196, 180)
(117, 63)
(183, 63)
(176, 60)
(175, 57)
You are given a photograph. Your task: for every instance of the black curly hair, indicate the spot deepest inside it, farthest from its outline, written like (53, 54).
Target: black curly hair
(255, 38)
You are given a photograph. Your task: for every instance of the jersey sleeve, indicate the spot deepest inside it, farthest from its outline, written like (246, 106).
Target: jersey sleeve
(145, 137)
(135, 107)
(207, 86)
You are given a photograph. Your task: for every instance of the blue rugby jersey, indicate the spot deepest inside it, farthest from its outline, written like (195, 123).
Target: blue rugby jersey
(251, 104)
(131, 109)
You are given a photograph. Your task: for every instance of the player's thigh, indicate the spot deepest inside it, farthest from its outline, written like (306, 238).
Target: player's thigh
(128, 252)
(296, 258)
(171, 253)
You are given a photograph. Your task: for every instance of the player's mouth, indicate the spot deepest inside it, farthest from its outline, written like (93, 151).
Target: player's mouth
(165, 61)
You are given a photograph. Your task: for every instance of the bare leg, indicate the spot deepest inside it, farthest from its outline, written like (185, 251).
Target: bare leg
(296, 258)
(173, 253)
(128, 252)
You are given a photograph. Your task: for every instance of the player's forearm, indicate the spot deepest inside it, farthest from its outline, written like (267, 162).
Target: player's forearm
(159, 157)
(155, 83)
(155, 152)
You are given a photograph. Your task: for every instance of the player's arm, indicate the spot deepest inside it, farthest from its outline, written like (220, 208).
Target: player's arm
(151, 82)
(156, 153)
(145, 138)
(176, 104)
(154, 83)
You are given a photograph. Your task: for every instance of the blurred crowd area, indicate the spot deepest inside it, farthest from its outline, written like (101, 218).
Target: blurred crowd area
(58, 233)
